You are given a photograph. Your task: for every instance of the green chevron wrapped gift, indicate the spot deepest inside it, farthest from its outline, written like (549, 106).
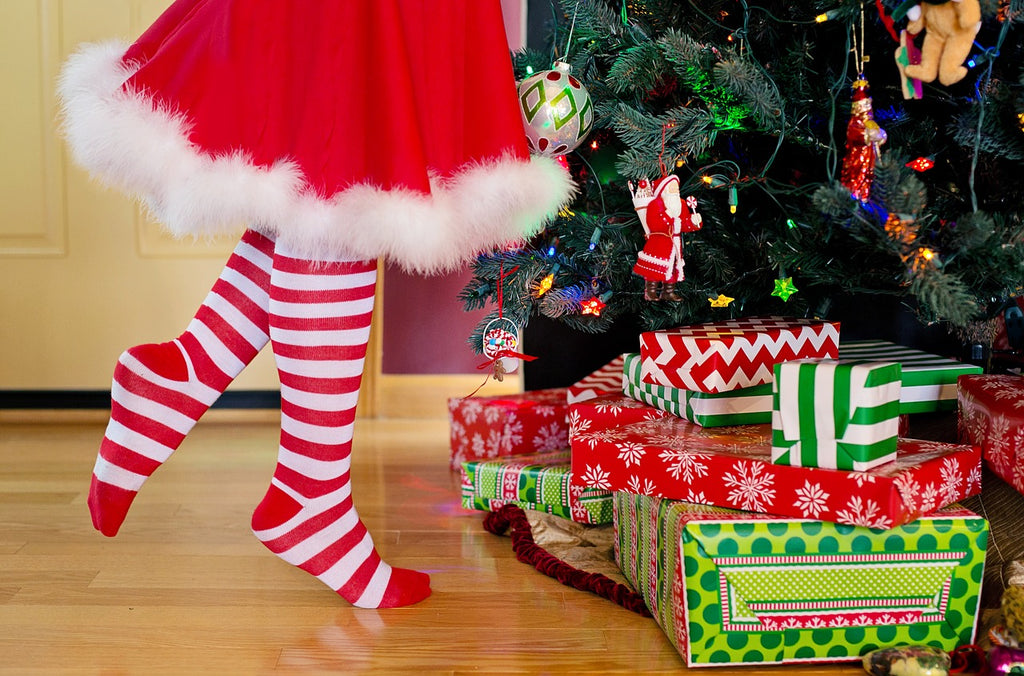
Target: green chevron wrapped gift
(745, 406)
(736, 587)
(541, 482)
(835, 414)
(929, 381)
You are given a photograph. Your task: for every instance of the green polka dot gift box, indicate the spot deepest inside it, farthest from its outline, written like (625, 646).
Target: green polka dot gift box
(733, 587)
(539, 482)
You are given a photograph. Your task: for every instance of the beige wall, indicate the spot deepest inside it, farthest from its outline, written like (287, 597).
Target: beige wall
(83, 273)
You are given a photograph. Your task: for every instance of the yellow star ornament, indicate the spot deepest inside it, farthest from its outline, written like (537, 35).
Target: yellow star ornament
(784, 288)
(721, 301)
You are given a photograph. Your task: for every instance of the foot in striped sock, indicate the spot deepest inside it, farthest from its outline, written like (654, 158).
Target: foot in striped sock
(160, 390)
(319, 327)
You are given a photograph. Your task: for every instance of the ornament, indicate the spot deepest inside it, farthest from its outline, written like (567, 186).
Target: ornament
(593, 307)
(664, 220)
(557, 111)
(864, 139)
(921, 164)
(721, 301)
(1003, 660)
(501, 340)
(784, 288)
(909, 660)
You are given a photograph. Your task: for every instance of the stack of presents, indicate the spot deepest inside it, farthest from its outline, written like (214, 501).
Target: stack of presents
(766, 502)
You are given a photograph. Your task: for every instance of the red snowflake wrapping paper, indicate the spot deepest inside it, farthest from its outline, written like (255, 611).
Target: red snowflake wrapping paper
(731, 467)
(484, 428)
(609, 411)
(991, 415)
(728, 355)
(606, 380)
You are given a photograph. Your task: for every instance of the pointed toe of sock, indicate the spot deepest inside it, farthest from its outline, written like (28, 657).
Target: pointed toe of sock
(108, 506)
(405, 588)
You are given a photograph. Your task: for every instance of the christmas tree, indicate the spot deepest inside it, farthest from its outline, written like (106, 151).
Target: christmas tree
(755, 109)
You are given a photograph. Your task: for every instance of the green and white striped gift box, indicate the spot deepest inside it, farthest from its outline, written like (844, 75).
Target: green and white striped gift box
(745, 406)
(835, 414)
(929, 381)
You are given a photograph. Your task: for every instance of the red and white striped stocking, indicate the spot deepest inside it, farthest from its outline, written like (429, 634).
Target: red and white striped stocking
(319, 328)
(160, 390)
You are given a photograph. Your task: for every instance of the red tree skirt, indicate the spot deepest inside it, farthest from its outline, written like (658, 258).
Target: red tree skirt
(530, 552)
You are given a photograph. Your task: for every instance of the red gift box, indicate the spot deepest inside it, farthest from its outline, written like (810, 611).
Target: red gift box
(991, 415)
(728, 355)
(605, 380)
(483, 428)
(609, 411)
(732, 467)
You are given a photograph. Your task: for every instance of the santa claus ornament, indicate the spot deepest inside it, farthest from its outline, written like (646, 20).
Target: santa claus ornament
(331, 130)
(864, 139)
(664, 219)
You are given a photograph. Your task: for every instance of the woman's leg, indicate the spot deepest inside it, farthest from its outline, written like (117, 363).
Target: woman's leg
(319, 328)
(160, 390)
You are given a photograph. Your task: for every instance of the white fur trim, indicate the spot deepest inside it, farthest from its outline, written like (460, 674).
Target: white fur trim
(129, 142)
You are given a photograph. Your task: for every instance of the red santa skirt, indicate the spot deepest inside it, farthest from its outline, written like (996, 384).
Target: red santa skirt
(355, 128)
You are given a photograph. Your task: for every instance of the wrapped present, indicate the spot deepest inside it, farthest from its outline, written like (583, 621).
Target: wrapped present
(991, 415)
(734, 587)
(745, 406)
(928, 380)
(608, 410)
(540, 482)
(836, 414)
(731, 467)
(605, 380)
(728, 355)
(483, 428)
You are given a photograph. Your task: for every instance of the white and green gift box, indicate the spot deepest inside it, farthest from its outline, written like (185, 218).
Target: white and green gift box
(928, 384)
(744, 406)
(731, 587)
(929, 381)
(835, 414)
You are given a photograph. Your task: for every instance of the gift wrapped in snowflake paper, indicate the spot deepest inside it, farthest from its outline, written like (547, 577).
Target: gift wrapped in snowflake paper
(484, 428)
(734, 587)
(732, 467)
(992, 416)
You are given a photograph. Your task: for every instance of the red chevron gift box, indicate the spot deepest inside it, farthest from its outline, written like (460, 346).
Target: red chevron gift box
(728, 355)
(732, 467)
(992, 415)
(484, 428)
(605, 380)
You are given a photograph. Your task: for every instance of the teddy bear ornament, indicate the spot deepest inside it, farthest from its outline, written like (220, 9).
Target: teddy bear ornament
(950, 27)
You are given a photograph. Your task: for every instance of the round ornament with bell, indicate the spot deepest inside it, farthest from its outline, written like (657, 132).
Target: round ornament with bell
(557, 111)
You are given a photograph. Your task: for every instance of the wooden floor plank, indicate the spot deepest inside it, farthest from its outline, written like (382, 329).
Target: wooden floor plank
(185, 588)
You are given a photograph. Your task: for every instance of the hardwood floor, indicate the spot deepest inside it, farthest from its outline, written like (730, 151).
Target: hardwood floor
(185, 588)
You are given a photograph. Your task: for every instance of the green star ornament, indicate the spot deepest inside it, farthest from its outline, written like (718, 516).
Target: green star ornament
(784, 288)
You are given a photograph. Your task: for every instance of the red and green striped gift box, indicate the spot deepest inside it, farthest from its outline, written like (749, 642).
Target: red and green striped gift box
(734, 587)
(542, 484)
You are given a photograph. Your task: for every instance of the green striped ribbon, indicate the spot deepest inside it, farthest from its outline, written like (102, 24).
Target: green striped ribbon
(745, 406)
(835, 414)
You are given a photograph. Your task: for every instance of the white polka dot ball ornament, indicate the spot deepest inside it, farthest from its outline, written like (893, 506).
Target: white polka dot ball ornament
(557, 111)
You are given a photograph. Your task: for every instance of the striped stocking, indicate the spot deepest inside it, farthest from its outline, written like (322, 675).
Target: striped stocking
(160, 390)
(319, 328)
